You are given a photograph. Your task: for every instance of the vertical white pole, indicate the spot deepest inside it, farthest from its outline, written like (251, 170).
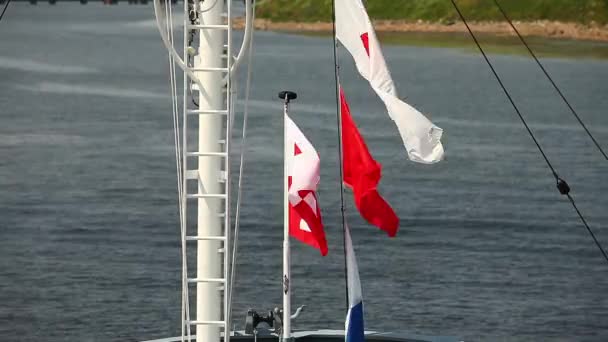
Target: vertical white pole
(286, 334)
(209, 260)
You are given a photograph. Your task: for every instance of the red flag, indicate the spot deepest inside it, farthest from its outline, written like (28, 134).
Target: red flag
(362, 173)
(305, 222)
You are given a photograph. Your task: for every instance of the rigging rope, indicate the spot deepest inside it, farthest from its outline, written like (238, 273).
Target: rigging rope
(241, 170)
(340, 150)
(562, 186)
(540, 65)
(246, 47)
(4, 9)
(171, 48)
(183, 227)
(185, 315)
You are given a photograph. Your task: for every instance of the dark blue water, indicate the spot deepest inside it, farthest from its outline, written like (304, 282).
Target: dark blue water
(488, 250)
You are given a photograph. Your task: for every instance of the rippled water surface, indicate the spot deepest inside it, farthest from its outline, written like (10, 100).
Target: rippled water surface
(488, 250)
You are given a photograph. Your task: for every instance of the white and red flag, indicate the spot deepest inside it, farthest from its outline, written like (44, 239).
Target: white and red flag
(303, 164)
(422, 139)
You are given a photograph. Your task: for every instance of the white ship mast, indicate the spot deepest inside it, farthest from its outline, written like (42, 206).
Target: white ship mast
(205, 167)
(212, 194)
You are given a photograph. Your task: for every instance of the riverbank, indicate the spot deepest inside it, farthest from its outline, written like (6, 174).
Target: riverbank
(540, 28)
(586, 12)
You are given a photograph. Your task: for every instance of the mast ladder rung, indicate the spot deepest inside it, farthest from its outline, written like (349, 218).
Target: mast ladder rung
(208, 27)
(207, 154)
(208, 111)
(207, 280)
(220, 196)
(205, 238)
(209, 69)
(206, 322)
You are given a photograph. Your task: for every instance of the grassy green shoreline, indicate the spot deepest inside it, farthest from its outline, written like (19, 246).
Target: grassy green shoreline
(492, 43)
(441, 11)
(543, 47)
(426, 23)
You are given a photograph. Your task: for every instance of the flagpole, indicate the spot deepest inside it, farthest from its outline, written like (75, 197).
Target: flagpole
(340, 148)
(287, 96)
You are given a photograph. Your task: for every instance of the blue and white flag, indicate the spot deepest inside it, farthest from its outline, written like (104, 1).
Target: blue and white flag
(354, 330)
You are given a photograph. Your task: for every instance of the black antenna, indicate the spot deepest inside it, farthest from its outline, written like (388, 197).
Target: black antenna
(562, 186)
(540, 65)
(340, 150)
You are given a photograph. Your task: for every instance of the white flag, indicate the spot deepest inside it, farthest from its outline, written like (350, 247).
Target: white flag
(422, 139)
